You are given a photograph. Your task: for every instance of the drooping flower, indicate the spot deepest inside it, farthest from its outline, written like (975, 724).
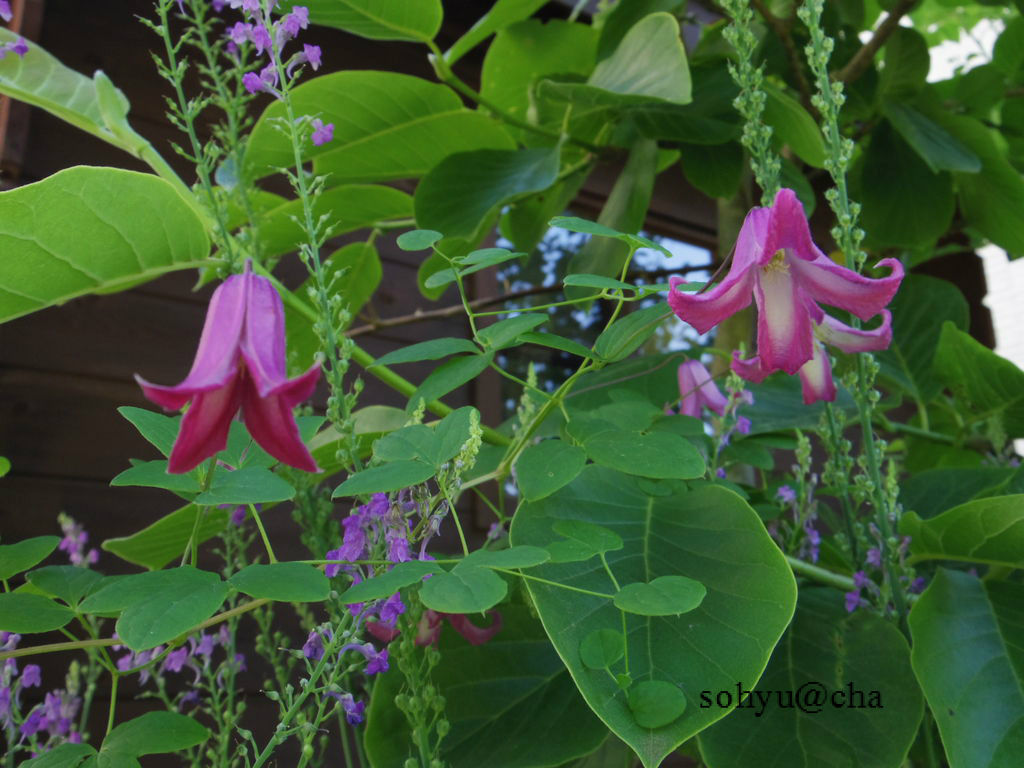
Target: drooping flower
(696, 389)
(777, 263)
(240, 364)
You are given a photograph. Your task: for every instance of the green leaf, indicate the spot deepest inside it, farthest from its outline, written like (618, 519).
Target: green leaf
(657, 455)
(793, 126)
(576, 224)
(554, 341)
(521, 710)
(525, 222)
(547, 466)
(465, 589)
(68, 582)
(385, 478)
(504, 332)
(87, 230)
(286, 582)
(989, 531)
(160, 605)
(248, 485)
(462, 190)
(851, 656)
(514, 557)
(385, 585)
(648, 63)
(153, 734)
(708, 534)
(655, 703)
(714, 170)
(665, 596)
(453, 432)
(524, 53)
(598, 281)
(161, 542)
(905, 204)
(623, 16)
(450, 375)
(347, 208)
(417, 239)
(907, 62)
(919, 309)
(933, 491)
(502, 14)
(22, 555)
(441, 278)
(623, 337)
(977, 698)
(376, 19)
(153, 474)
(624, 211)
(984, 383)
(934, 144)
(386, 126)
(582, 541)
(29, 614)
(602, 648)
(435, 349)
(159, 429)
(65, 755)
(710, 119)
(486, 257)
(413, 442)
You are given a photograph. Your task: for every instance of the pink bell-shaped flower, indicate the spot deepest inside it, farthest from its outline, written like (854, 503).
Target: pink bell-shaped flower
(777, 263)
(696, 389)
(240, 364)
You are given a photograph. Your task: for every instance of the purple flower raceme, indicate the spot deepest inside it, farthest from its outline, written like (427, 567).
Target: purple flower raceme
(240, 364)
(696, 390)
(778, 265)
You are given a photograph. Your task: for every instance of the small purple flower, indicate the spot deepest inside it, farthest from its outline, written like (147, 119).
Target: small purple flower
(353, 709)
(205, 646)
(240, 33)
(785, 494)
(34, 723)
(20, 47)
(313, 648)
(379, 505)
(240, 664)
(5, 10)
(218, 5)
(398, 545)
(238, 515)
(391, 609)
(852, 601)
(189, 699)
(813, 540)
(260, 38)
(720, 472)
(874, 557)
(252, 82)
(378, 663)
(31, 676)
(176, 659)
(743, 425)
(322, 133)
(5, 706)
(860, 580)
(917, 585)
(249, 6)
(297, 20)
(333, 569)
(312, 54)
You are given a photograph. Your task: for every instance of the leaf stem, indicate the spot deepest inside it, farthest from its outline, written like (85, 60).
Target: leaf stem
(553, 583)
(263, 532)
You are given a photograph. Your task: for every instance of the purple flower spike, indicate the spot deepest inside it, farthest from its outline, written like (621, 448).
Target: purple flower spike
(778, 265)
(240, 363)
(696, 389)
(322, 133)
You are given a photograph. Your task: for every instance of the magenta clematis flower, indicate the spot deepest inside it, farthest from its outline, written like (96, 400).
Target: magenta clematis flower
(696, 389)
(240, 364)
(777, 263)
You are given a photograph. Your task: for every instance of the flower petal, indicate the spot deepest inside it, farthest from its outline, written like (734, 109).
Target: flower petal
(787, 230)
(474, 634)
(750, 369)
(697, 389)
(825, 281)
(271, 423)
(816, 377)
(837, 334)
(706, 310)
(204, 429)
(263, 341)
(216, 360)
(784, 331)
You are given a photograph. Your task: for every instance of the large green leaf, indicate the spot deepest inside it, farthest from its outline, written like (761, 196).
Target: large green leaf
(905, 204)
(933, 491)
(386, 126)
(906, 64)
(457, 195)
(794, 126)
(989, 531)
(22, 555)
(623, 16)
(87, 230)
(152, 734)
(346, 208)
(502, 14)
(969, 660)
(519, 709)
(26, 613)
(39, 79)
(860, 661)
(66, 755)
(68, 582)
(547, 466)
(417, 21)
(715, 170)
(450, 375)
(935, 145)
(985, 384)
(625, 336)
(288, 582)
(159, 543)
(709, 535)
(525, 52)
(918, 312)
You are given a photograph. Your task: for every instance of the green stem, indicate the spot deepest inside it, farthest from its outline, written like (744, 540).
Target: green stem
(554, 583)
(114, 677)
(263, 532)
(820, 575)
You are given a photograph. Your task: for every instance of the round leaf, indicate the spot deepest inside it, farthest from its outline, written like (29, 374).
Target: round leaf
(465, 589)
(665, 596)
(287, 582)
(547, 466)
(655, 703)
(602, 648)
